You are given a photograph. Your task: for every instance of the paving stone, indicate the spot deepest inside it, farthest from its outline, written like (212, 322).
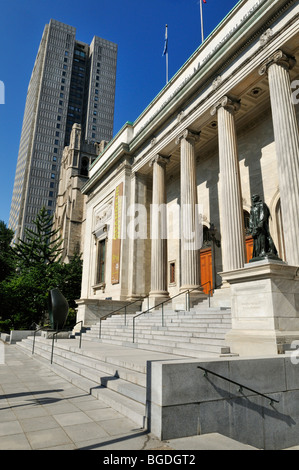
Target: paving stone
(48, 438)
(76, 417)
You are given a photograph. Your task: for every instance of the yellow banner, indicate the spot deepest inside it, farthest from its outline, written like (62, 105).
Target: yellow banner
(116, 241)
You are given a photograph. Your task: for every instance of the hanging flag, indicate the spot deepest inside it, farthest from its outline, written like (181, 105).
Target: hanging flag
(166, 42)
(165, 52)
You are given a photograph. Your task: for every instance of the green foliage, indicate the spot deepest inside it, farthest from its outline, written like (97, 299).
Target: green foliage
(42, 245)
(71, 319)
(5, 326)
(24, 293)
(24, 298)
(7, 261)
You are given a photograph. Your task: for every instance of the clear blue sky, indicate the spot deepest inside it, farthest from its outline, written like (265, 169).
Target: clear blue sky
(137, 26)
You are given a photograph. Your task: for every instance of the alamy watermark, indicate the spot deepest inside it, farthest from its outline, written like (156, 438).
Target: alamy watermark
(158, 222)
(295, 94)
(2, 93)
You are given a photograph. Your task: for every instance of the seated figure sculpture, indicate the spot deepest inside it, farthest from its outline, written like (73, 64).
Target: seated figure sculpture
(263, 245)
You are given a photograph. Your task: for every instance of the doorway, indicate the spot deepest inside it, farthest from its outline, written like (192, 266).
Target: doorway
(206, 270)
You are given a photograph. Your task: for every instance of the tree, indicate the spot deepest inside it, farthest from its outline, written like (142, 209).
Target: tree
(7, 261)
(42, 245)
(24, 294)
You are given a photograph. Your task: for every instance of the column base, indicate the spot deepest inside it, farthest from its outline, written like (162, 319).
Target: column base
(134, 297)
(157, 297)
(181, 302)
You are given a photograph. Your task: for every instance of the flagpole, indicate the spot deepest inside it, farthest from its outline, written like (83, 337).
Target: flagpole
(201, 20)
(166, 39)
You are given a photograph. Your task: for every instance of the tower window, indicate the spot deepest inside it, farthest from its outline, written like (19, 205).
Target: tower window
(84, 166)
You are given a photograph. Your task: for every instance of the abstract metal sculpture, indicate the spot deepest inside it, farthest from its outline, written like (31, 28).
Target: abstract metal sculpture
(58, 309)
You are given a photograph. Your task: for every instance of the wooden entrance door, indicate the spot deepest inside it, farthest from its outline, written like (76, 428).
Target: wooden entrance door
(249, 248)
(206, 270)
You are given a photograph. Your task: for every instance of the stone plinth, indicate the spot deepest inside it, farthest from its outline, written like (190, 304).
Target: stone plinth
(185, 402)
(265, 308)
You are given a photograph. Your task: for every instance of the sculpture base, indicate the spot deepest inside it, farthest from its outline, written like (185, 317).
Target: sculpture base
(267, 257)
(265, 308)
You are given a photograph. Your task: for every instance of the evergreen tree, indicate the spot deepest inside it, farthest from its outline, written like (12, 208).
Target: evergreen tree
(7, 262)
(41, 245)
(24, 294)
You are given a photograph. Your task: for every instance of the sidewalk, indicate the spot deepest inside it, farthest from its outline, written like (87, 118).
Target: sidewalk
(41, 411)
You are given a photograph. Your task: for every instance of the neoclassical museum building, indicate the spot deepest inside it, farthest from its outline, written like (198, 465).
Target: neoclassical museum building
(168, 200)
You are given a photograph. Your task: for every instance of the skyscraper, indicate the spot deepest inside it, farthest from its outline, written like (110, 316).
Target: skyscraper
(71, 82)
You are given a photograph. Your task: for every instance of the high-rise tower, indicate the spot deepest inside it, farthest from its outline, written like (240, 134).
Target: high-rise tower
(71, 82)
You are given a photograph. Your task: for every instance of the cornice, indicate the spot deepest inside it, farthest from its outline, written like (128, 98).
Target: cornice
(189, 90)
(205, 72)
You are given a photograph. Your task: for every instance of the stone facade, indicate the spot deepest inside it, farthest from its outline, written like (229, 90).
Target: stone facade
(223, 129)
(69, 215)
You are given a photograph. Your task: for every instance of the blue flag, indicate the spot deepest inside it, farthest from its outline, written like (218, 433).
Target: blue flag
(165, 43)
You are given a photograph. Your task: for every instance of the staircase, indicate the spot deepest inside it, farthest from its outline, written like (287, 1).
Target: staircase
(114, 369)
(196, 333)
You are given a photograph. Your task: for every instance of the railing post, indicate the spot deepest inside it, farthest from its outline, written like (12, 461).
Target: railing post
(188, 301)
(125, 315)
(33, 343)
(80, 334)
(34, 335)
(52, 348)
(133, 330)
(162, 314)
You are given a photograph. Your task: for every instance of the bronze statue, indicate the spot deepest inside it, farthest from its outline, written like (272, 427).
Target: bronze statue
(263, 245)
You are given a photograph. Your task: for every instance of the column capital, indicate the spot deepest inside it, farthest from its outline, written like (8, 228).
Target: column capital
(279, 58)
(228, 103)
(159, 159)
(188, 135)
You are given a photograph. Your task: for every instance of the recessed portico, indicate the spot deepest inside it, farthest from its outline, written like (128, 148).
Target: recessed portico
(218, 133)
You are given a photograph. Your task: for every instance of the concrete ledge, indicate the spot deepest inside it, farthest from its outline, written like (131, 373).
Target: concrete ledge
(5, 337)
(18, 335)
(183, 402)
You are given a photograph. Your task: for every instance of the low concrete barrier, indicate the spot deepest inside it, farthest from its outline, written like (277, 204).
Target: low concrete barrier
(18, 335)
(5, 337)
(183, 402)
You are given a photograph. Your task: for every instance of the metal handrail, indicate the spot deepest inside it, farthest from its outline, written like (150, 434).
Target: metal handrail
(38, 329)
(59, 331)
(187, 292)
(207, 371)
(117, 311)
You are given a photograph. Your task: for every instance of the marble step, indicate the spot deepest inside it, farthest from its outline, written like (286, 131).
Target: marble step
(126, 396)
(183, 349)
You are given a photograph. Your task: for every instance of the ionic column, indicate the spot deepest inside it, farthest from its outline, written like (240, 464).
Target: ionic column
(139, 238)
(230, 197)
(286, 136)
(190, 262)
(159, 232)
